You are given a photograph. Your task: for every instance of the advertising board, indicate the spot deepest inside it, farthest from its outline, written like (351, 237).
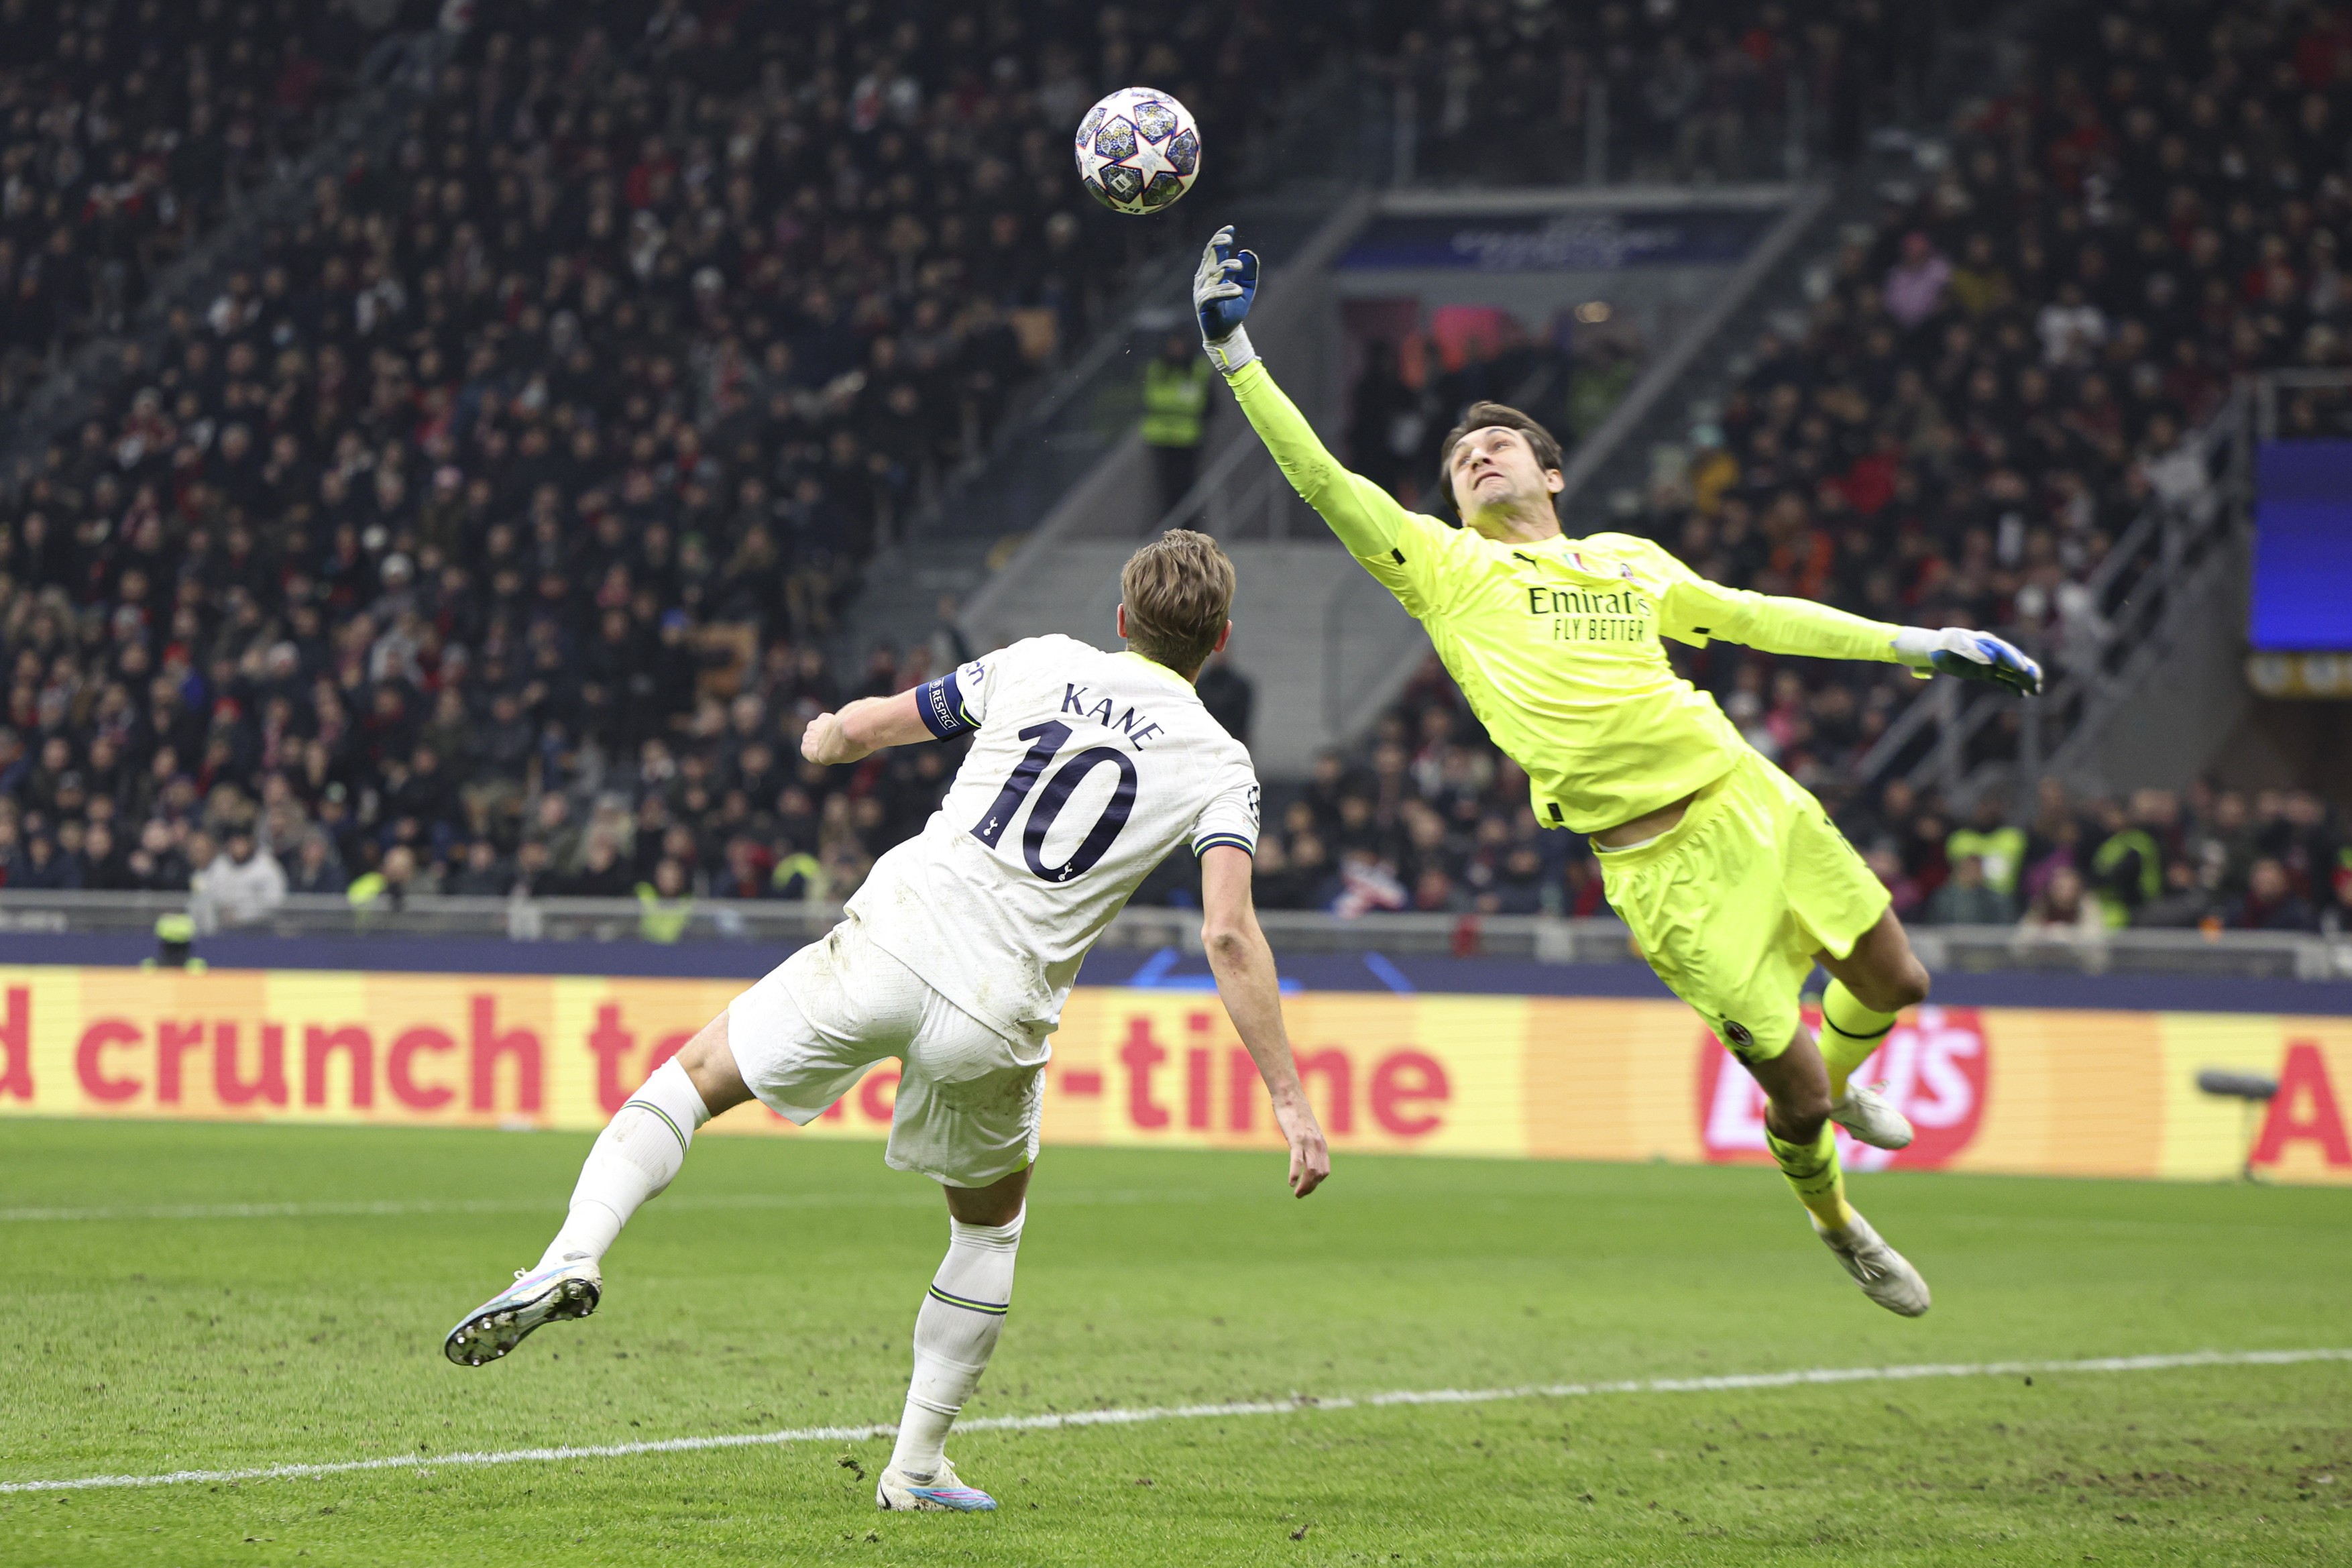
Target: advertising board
(2044, 1090)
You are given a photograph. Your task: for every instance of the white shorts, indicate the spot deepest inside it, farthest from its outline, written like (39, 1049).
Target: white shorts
(969, 1098)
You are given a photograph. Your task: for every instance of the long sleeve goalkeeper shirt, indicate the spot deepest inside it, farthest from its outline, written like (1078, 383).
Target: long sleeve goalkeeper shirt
(1556, 642)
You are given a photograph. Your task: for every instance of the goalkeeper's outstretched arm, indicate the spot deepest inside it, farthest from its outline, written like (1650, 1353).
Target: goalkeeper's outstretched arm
(1364, 516)
(1369, 522)
(1697, 611)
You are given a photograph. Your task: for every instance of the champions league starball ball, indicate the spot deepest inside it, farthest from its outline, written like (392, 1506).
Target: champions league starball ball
(1138, 151)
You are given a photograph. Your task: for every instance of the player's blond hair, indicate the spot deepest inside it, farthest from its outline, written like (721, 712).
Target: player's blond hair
(1179, 592)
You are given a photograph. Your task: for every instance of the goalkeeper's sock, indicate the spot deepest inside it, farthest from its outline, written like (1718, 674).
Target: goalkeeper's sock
(1813, 1171)
(955, 1333)
(1849, 1032)
(638, 1155)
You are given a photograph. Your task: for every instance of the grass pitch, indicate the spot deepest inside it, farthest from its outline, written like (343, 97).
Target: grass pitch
(776, 1286)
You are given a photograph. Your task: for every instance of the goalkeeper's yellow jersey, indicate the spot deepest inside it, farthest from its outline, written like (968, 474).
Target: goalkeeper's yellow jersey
(1556, 642)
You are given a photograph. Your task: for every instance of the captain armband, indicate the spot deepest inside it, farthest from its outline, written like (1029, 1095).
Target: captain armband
(941, 704)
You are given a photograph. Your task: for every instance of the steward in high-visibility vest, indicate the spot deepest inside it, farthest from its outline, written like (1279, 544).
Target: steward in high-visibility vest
(1175, 401)
(800, 874)
(662, 918)
(1175, 406)
(173, 936)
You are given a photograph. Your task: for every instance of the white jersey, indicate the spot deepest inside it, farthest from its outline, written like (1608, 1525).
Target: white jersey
(1086, 770)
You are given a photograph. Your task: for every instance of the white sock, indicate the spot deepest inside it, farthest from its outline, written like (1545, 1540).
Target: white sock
(638, 1155)
(954, 1334)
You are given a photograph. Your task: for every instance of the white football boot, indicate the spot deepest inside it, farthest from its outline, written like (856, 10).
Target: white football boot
(899, 1492)
(1871, 1116)
(569, 1290)
(1885, 1275)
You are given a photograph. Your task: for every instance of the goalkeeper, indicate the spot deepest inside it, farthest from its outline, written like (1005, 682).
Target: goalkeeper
(1734, 880)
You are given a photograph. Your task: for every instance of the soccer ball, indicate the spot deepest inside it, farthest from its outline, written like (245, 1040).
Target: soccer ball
(1138, 151)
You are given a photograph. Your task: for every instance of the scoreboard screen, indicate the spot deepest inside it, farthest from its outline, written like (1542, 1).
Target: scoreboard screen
(2302, 598)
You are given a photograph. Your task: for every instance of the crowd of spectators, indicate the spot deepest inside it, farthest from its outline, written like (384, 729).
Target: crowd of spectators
(2209, 859)
(1431, 817)
(1993, 383)
(125, 128)
(489, 531)
(1999, 379)
(1570, 373)
(1525, 91)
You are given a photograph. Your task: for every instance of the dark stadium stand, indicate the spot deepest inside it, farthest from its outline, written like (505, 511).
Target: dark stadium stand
(488, 531)
(532, 467)
(1711, 90)
(455, 454)
(1431, 817)
(125, 130)
(1998, 379)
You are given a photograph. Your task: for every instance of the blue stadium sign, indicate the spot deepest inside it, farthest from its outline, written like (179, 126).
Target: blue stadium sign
(2301, 598)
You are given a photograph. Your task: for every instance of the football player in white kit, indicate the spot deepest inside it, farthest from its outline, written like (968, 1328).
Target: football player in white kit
(1086, 770)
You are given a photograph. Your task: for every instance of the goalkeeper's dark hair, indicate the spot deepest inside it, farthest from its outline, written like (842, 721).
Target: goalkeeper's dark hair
(1478, 417)
(1179, 592)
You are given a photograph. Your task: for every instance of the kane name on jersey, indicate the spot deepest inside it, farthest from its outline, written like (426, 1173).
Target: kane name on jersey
(1086, 768)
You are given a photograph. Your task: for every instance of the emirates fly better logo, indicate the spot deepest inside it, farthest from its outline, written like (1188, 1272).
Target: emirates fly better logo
(1936, 1065)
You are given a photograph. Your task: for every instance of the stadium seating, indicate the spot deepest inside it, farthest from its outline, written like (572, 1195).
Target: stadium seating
(1431, 817)
(536, 463)
(488, 531)
(125, 130)
(2003, 373)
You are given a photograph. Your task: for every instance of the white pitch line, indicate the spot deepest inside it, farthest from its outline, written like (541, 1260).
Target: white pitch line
(1730, 1382)
(395, 1208)
(360, 1208)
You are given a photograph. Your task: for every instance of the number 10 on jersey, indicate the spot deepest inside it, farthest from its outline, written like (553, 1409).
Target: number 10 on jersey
(1047, 740)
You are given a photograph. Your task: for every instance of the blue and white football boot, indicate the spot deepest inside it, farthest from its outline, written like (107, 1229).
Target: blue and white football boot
(899, 1493)
(568, 1289)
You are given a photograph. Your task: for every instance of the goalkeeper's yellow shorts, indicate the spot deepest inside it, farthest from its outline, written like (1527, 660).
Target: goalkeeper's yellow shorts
(1731, 903)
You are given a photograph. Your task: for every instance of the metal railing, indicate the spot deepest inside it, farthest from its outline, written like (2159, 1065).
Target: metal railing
(1603, 142)
(1242, 495)
(1057, 426)
(1949, 737)
(2270, 956)
(1361, 673)
(1538, 938)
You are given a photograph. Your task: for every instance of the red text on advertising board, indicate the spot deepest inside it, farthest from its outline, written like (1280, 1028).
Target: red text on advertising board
(1937, 1066)
(1402, 1093)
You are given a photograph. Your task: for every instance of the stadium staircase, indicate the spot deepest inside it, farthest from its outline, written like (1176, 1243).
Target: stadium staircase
(1326, 646)
(1061, 430)
(2147, 683)
(1032, 541)
(2153, 685)
(1058, 435)
(1063, 574)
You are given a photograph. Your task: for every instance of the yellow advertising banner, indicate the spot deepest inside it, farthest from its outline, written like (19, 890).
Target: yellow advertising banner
(2047, 1091)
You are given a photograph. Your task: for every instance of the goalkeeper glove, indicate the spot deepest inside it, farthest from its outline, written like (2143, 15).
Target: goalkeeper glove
(1971, 655)
(1222, 291)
